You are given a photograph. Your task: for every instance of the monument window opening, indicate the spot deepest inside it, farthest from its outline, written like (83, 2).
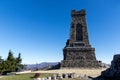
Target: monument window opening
(79, 34)
(72, 26)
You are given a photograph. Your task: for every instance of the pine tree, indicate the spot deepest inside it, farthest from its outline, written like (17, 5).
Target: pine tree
(10, 62)
(18, 59)
(1, 66)
(18, 62)
(10, 56)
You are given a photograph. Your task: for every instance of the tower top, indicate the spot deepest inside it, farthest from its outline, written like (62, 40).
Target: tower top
(78, 31)
(78, 13)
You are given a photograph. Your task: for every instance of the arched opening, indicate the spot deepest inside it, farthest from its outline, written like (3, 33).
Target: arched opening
(79, 33)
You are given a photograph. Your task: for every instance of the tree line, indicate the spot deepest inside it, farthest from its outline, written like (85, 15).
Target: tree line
(11, 64)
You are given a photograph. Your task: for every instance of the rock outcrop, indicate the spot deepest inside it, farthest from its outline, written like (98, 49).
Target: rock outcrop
(112, 73)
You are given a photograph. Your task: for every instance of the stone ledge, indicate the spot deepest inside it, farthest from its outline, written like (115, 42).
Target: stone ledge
(80, 63)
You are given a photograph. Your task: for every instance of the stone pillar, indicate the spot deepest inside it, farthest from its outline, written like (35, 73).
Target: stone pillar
(49, 78)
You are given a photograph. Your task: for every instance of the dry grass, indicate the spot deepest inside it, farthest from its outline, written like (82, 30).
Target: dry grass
(88, 72)
(82, 72)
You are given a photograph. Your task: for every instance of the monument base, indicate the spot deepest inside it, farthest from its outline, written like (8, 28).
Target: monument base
(80, 57)
(80, 64)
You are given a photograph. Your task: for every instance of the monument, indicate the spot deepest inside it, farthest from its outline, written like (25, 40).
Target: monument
(78, 51)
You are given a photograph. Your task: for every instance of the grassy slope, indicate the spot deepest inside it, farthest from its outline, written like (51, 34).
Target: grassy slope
(23, 77)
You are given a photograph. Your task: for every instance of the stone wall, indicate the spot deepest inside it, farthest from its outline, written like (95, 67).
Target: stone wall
(80, 64)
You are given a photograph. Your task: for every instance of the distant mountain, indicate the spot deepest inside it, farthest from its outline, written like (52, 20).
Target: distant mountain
(40, 66)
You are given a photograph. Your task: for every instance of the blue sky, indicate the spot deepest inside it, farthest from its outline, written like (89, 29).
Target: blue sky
(38, 29)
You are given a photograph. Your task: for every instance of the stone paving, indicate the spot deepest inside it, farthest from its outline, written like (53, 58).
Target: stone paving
(64, 76)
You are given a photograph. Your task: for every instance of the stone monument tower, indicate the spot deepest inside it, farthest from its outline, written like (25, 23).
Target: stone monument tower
(78, 51)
